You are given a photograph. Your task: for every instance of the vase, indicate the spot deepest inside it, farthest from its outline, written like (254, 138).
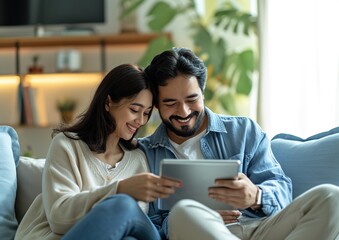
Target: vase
(67, 116)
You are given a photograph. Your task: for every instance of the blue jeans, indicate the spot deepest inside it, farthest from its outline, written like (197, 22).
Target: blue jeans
(117, 217)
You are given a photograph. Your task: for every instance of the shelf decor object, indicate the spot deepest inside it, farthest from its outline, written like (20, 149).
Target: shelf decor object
(66, 107)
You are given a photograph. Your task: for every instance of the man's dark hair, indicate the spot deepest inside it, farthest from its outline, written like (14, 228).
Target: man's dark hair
(172, 63)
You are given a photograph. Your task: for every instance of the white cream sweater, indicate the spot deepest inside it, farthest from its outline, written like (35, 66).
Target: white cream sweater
(74, 180)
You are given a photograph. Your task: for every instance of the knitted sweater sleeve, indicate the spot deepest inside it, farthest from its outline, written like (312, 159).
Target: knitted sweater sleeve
(70, 186)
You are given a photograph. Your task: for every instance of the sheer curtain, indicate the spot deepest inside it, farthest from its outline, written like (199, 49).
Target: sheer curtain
(299, 49)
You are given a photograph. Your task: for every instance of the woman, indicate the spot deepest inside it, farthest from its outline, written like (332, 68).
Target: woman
(96, 183)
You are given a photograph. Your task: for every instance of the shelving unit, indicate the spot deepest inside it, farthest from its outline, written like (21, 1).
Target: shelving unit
(37, 136)
(119, 41)
(91, 40)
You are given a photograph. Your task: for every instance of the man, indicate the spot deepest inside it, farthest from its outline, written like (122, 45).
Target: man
(191, 130)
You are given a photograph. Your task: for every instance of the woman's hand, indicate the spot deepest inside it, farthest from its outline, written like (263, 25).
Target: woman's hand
(229, 216)
(147, 187)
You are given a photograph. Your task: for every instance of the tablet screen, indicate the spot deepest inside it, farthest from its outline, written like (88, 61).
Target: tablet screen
(197, 176)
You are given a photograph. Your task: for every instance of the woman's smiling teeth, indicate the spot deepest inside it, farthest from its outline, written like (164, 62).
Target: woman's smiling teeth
(132, 128)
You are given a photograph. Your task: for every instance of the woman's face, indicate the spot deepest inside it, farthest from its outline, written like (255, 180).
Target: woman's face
(131, 114)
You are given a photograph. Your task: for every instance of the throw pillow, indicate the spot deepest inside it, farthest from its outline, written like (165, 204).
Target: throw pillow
(9, 159)
(29, 174)
(308, 162)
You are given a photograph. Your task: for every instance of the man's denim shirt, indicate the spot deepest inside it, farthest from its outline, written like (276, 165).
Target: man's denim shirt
(230, 137)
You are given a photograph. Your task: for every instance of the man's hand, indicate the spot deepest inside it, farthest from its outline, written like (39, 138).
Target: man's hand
(240, 193)
(147, 187)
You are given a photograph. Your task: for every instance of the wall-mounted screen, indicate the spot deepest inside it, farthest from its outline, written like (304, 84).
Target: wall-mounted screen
(51, 12)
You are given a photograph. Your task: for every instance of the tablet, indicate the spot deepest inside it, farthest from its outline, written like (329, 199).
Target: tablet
(197, 176)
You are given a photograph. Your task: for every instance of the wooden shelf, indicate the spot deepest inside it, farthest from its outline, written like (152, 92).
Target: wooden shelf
(47, 41)
(101, 41)
(91, 40)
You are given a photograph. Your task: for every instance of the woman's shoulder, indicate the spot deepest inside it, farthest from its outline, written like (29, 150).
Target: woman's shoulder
(68, 142)
(65, 135)
(66, 138)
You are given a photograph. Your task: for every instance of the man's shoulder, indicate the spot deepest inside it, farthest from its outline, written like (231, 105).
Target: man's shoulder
(217, 119)
(233, 125)
(144, 141)
(229, 118)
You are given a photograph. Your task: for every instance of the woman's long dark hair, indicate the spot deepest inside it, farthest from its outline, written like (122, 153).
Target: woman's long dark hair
(96, 124)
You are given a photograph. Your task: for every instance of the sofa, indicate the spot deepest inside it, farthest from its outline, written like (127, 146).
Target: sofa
(308, 162)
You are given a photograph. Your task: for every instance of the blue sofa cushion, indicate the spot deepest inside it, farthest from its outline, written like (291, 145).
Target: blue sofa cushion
(308, 162)
(9, 159)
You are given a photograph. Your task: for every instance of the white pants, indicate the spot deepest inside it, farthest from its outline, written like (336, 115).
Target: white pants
(313, 215)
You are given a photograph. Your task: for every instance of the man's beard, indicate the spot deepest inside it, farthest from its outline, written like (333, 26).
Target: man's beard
(185, 131)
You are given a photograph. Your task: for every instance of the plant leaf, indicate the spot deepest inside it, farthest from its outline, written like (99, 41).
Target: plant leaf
(217, 56)
(160, 15)
(203, 39)
(244, 85)
(246, 67)
(227, 101)
(238, 17)
(208, 94)
(155, 47)
(214, 52)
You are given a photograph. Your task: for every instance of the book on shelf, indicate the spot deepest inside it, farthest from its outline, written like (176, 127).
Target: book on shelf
(34, 107)
(28, 115)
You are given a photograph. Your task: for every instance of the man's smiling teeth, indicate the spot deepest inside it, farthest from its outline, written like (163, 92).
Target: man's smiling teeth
(183, 120)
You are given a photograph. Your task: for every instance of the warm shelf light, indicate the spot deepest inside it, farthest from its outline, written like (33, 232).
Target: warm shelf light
(45, 90)
(9, 105)
(63, 79)
(9, 80)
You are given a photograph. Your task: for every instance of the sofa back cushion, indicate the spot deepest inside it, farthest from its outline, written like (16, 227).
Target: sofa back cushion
(29, 174)
(9, 158)
(308, 162)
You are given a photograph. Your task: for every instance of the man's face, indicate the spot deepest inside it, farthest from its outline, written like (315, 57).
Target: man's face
(181, 107)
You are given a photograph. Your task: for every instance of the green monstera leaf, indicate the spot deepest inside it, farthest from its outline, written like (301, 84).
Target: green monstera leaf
(160, 15)
(230, 71)
(232, 17)
(211, 50)
(208, 94)
(155, 47)
(227, 101)
(240, 67)
(246, 64)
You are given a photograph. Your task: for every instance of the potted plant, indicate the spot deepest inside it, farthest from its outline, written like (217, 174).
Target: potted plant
(230, 71)
(66, 107)
(35, 67)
